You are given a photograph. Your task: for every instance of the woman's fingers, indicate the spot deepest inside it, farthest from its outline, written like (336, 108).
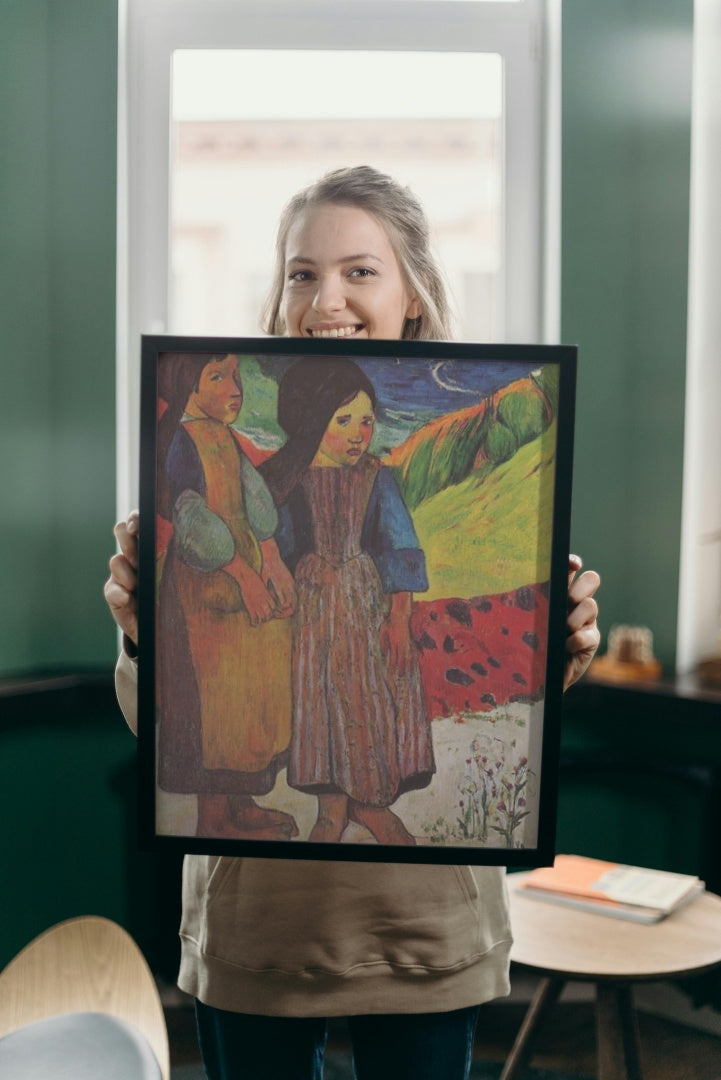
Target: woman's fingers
(126, 534)
(582, 606)
(123, 606)
(121, 587)
(583, 636)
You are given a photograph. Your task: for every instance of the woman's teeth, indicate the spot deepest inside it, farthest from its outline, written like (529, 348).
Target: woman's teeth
(336, 332)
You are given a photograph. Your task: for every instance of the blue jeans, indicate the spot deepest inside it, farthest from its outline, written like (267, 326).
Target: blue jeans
(413, 1046)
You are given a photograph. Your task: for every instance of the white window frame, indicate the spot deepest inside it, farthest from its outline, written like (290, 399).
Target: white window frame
(699, 599)
(526, 34)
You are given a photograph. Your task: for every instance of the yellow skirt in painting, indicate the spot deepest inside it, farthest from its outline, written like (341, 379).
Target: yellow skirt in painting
(242, 672)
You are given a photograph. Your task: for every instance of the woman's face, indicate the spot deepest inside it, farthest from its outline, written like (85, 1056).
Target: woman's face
(220, 392)
(342, 277)
(348, 434)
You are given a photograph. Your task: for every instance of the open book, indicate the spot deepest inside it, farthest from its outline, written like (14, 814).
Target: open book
(608, 888)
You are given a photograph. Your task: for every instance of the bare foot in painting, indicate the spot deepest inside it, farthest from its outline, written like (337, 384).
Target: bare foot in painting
(332, 819)
(385, 826)
(246, 814)
(214, 821)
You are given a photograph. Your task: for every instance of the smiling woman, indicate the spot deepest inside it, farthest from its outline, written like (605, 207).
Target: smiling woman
(353, 259)
(332, 289)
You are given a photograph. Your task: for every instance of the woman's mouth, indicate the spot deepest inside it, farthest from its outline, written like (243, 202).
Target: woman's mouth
(334, 331)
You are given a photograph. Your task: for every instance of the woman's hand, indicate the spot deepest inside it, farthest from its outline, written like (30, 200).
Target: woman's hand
(121, 587)
(583, 635)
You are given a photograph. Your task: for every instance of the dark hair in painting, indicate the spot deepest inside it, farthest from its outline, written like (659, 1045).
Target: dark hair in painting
(178, 376)
(309, 393)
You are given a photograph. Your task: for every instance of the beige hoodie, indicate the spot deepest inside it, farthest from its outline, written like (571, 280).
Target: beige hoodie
(309, 938)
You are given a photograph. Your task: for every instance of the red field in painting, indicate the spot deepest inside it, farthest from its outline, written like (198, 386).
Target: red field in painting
(481, 653)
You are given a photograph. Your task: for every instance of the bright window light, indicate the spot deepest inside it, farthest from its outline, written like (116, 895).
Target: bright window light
(251, 127)
(263, 84)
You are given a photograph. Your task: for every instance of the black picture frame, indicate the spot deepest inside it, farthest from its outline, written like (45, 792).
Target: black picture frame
(471, 443)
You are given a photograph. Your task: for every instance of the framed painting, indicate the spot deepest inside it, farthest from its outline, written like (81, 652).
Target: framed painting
(352, 595)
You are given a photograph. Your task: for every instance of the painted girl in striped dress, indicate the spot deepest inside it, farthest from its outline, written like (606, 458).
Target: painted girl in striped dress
(360, 736)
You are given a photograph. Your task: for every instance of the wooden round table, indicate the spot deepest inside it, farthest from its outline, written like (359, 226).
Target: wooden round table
(562, 944)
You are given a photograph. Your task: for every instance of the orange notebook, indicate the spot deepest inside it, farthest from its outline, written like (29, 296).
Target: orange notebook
(630, 892)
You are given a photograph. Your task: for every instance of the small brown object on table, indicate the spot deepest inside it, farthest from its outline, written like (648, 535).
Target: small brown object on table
(630, 656)
(563, 944)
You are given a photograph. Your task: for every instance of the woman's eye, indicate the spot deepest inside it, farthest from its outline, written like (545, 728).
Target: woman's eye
(300, 276)
(362, 272)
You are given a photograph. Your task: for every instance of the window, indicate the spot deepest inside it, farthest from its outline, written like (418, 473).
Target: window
(236, 158)
(231, 104)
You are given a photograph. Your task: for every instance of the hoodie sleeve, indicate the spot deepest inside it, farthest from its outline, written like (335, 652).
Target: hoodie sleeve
(126, 689)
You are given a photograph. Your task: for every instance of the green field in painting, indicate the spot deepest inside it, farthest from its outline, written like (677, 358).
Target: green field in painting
(259, 415)
(492, 532)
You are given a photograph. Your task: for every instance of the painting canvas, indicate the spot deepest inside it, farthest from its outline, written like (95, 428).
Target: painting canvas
(352, 597)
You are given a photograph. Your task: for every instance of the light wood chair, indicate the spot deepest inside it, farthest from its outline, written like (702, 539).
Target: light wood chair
(85, 965)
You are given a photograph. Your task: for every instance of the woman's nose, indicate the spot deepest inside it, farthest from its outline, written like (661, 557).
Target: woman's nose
(329, 295)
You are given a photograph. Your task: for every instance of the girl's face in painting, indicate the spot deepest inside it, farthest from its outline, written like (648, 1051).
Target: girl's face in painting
(220, 393)
(348, 434)
(343, 278)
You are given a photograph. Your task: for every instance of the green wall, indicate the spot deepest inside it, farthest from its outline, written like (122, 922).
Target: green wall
(626, 145)
(69, 806)
(58, 72)
(641, 779)
(67, 773)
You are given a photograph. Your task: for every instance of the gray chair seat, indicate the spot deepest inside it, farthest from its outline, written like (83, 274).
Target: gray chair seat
(78, 1046)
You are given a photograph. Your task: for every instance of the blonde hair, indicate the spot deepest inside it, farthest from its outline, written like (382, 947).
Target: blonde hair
(403, 217)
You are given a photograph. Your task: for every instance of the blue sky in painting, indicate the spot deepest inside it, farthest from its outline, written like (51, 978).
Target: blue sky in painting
(412, 392)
